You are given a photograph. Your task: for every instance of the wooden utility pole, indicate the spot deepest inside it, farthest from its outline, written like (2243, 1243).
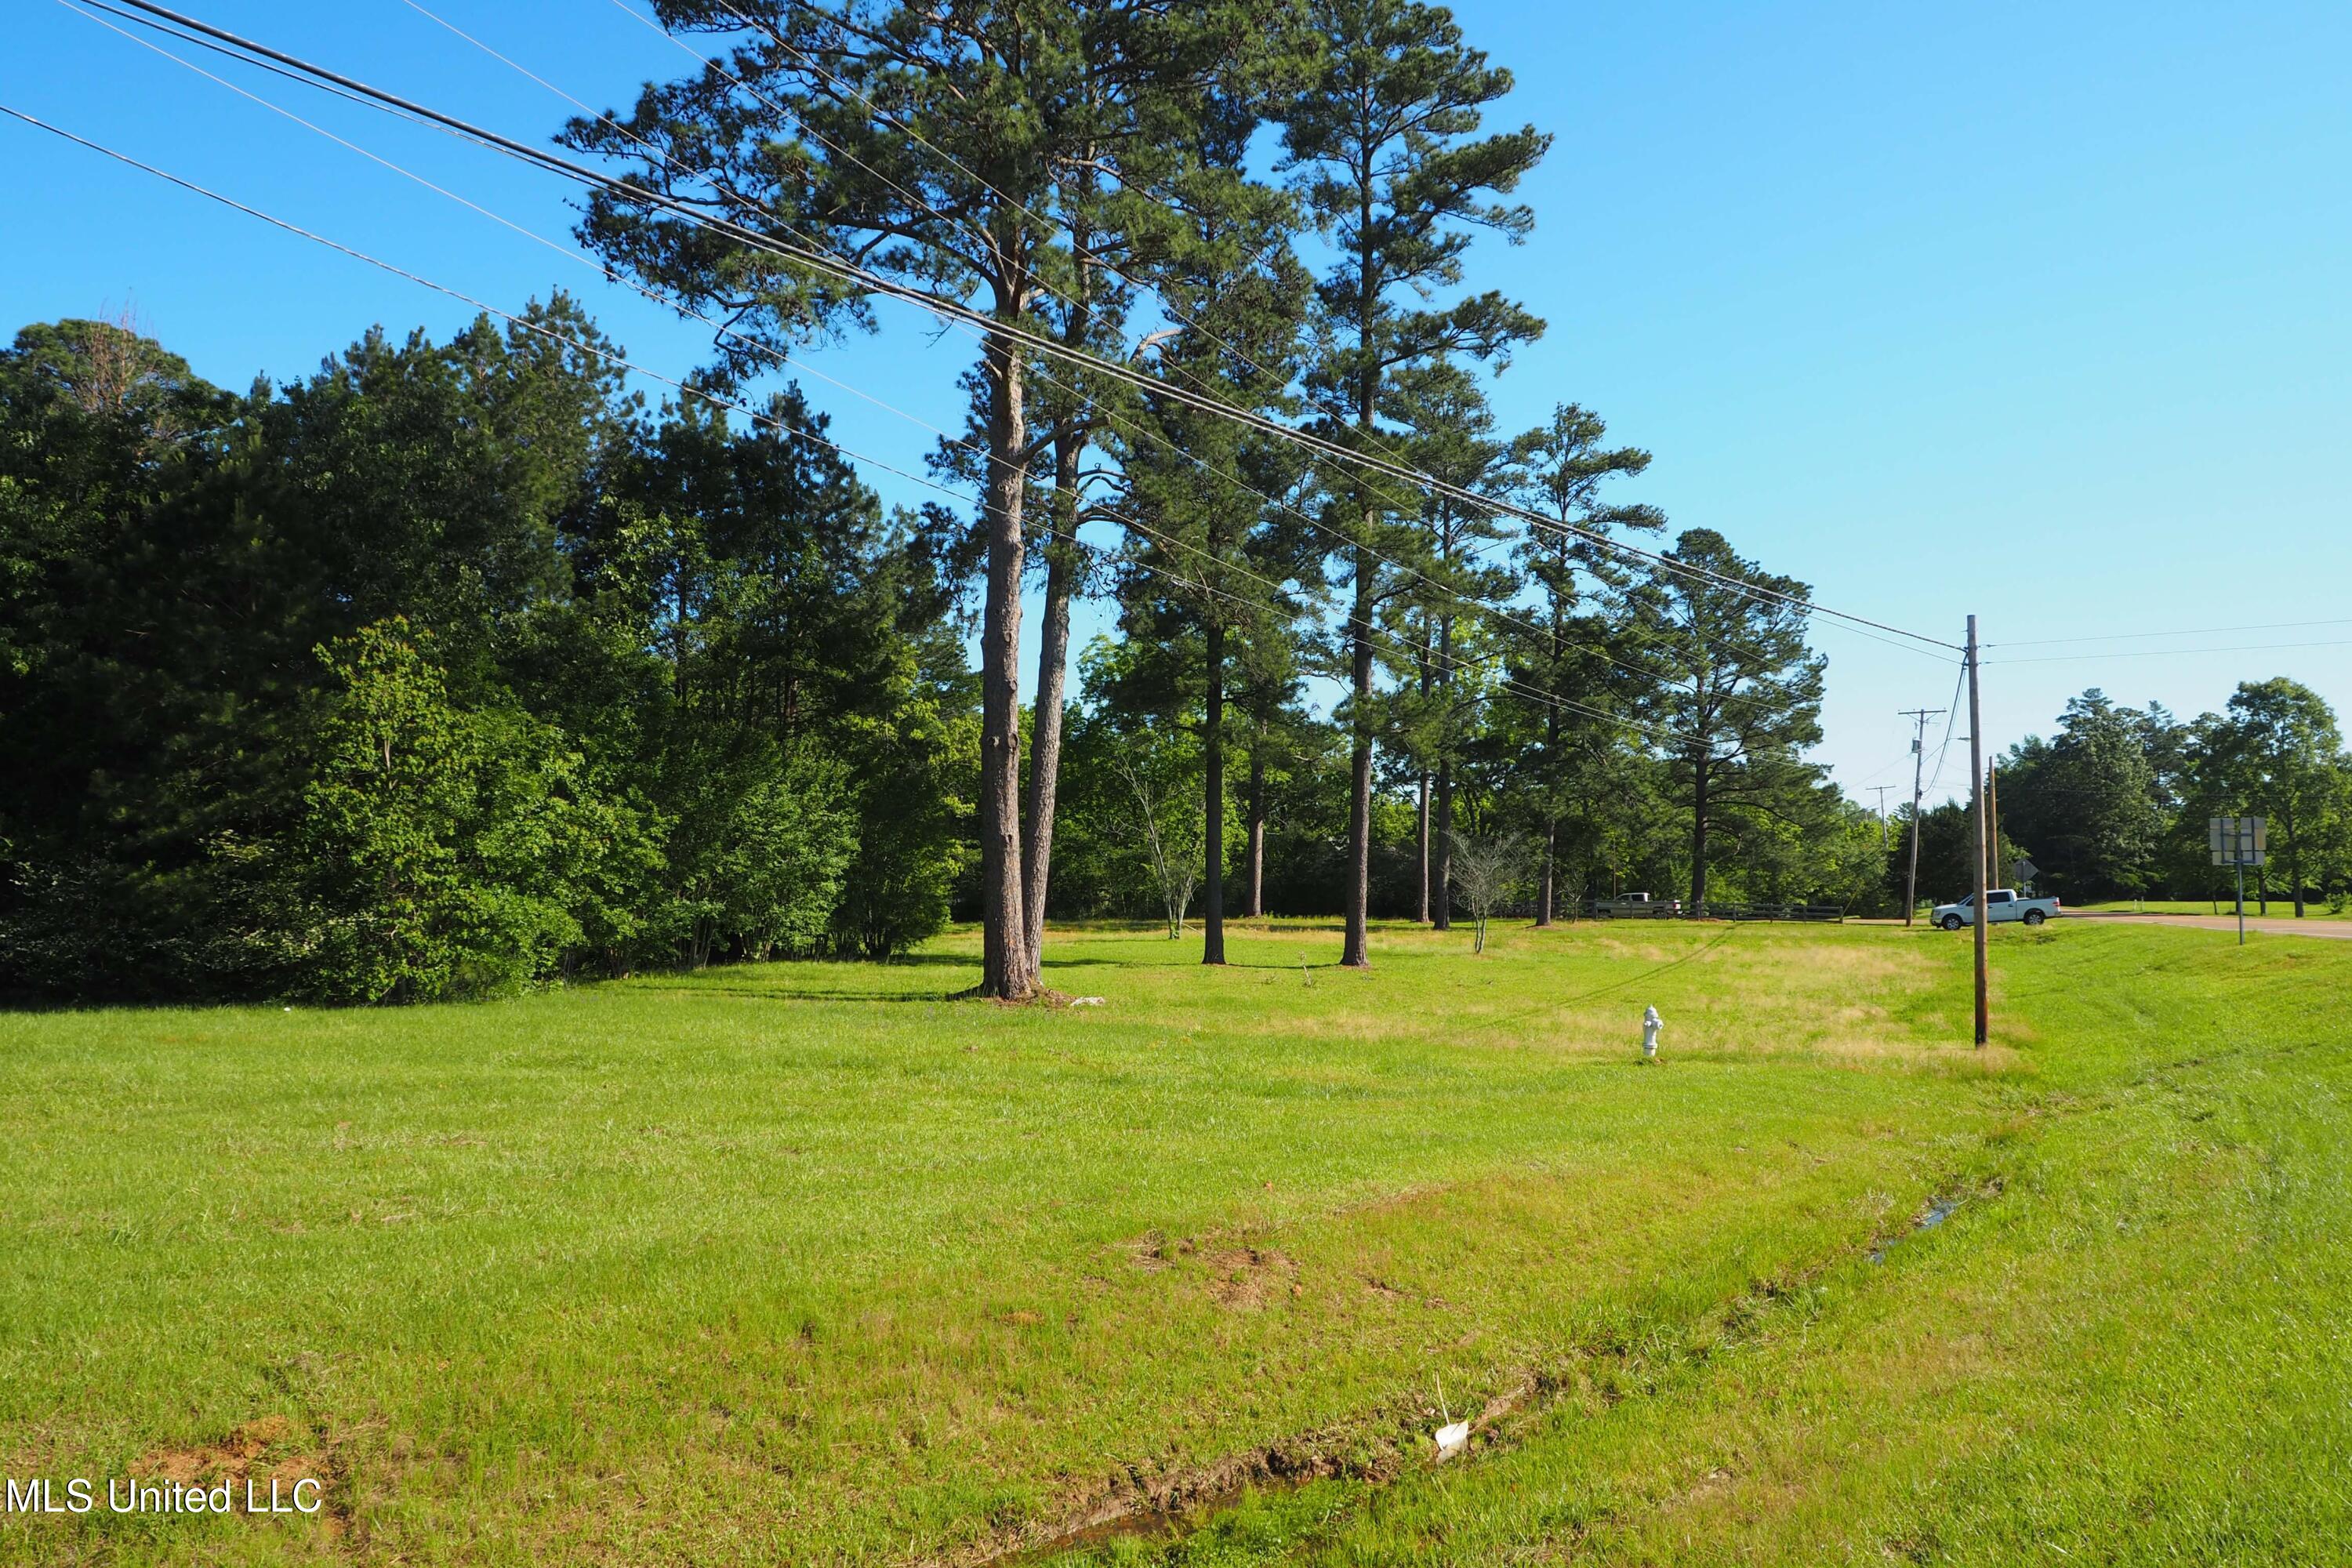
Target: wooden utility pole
(1918, 761)
(1880, 790)
(1976, 775)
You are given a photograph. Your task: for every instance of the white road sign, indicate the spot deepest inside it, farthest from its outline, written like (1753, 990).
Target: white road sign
(2238, 840)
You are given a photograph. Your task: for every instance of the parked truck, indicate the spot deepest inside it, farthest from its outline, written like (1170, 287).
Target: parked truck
(2000, 904)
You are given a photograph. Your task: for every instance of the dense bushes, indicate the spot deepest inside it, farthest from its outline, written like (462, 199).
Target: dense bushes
(448, 671)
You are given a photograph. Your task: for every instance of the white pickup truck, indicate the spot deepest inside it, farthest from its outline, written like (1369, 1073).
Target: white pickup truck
(2000, 904)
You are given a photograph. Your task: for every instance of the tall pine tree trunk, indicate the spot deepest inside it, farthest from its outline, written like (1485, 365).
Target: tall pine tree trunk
(1442, 830)
(1213, 736)
(1257, 830)
(1441, 870)
(1421, 807)
(1355, 951)
(1420, 844)
(1544, 883)
(1052, 678)
(1004, 950)
(1698, 836)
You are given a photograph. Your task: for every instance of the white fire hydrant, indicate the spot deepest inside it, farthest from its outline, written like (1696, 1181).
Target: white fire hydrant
(1651, 1025)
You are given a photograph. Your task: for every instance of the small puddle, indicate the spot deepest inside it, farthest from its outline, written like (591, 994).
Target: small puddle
(1938, 1213)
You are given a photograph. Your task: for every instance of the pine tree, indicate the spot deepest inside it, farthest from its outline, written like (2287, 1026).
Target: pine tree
(1742, 689)
(934, 145)
(1580, 649)
(1452, 440)
(1383, 147)
(1209, 557)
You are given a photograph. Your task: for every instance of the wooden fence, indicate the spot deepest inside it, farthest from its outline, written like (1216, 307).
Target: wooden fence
(1714, 911)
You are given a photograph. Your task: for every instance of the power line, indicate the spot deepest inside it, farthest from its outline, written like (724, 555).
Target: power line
(397, 270)
(1952, 710)
(2194, 632)
(862, 279)
(1462, 495)
(917, 296)
(1452, 663)
(2171, 652)
(1879, 771)
(784, 360)
(1106, 414)
(690, 391)
(1477, 606)
(780, 358)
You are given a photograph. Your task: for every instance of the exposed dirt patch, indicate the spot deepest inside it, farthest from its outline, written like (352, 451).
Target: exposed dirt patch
(1712, 1485)
(1140, 1503)
(1041, 997)
(1244, 1279)
(267, 1448)
(1153, 1252)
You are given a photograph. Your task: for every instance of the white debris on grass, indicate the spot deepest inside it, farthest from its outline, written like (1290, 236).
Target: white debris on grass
(1454, 1435)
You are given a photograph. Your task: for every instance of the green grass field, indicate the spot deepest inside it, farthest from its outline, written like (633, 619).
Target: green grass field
(807, 1264)
(2280, 908)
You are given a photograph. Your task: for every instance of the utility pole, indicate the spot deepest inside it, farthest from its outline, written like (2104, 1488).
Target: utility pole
(1977, 773)
(1918, 761)
(1882, 790)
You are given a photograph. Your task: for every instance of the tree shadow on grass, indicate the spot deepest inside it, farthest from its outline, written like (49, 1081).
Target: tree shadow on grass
(789, 993)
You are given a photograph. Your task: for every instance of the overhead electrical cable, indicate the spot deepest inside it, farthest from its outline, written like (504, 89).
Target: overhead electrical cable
(1108, 416)
(780, 357)
(1477, 606)
(758, 417)
(1484, 505)
(2181, 632)
(1013, 333)
(1951, 722)
(2169, 652)
(1104, 414)
(1488, 505)
(1452, 663)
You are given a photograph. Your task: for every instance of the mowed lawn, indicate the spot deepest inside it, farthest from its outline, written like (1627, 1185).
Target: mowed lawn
(808, 1264)
(2277, 909)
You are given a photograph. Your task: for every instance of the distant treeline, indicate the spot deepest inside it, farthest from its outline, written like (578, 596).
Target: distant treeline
(2117, 803)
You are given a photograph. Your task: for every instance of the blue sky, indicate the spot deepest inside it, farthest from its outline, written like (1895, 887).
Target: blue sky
(2036, 311)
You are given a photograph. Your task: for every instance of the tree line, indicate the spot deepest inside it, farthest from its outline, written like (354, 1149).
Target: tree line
(456, 666)
(2116, 804)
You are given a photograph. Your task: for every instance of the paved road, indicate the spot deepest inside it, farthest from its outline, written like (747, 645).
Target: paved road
(2341, 930)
